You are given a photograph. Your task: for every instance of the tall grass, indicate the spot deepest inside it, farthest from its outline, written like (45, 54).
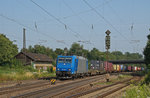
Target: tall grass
(138, 92)
(142, 90)
(21, 73)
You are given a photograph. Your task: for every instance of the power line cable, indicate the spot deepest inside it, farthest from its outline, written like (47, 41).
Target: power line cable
(66, 26)
(13, 20)
(91, 9)
(80, 19)
(101, 16)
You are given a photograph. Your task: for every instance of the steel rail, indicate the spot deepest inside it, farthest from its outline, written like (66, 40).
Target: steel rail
(59, 89)
(116, 89)
(97, 89)
(127, 82)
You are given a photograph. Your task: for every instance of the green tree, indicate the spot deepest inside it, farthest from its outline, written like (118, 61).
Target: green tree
(118, 55)
(147, 52)
(76, 49)
(42, 50)
(95, 54)
(7, 50)
(85, 53)
(59, 51)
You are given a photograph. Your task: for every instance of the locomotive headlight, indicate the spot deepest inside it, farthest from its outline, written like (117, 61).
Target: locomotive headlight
(58, 69)
(69, 69)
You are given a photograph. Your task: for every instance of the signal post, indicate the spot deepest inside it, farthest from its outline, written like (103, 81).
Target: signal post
(107, 43)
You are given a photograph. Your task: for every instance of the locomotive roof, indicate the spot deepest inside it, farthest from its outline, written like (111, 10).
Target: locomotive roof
(80, 57)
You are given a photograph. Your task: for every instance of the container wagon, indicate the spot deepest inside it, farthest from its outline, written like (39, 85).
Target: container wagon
(115, 67)
(96, 67)
(133, 68)
(139, 68)
(118, 68)
(108, 67)
(125, 68)
(129, 68)
(71, 67)
(142, 69)
(136, 69)
(121, 67)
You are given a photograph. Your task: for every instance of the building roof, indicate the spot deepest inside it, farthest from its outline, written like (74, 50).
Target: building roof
(37, 57)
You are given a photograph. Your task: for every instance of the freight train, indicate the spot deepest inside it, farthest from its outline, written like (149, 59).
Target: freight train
(77, 66)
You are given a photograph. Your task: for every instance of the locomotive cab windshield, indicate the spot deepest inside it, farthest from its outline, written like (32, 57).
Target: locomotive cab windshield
(65, 60)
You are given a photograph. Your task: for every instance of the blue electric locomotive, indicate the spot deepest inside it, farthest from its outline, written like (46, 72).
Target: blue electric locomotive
(71, 66)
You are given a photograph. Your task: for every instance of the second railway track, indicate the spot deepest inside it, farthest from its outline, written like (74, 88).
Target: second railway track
(103, 91)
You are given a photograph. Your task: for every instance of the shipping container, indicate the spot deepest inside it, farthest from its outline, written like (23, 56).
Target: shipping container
(121, 67)
(111, 68)
(139, 68)
(132, 68)
(136, 68)
(142, 68)
(129, 68)
(125, 68)
(108, 67)
(102, 70)
(96, 67)
(115, 67)
(118, 68)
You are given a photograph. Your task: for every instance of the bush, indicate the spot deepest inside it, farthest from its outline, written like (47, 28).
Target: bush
(138, 92)
(147, 78)
(48, 70)
(31, 69)
(51, 69)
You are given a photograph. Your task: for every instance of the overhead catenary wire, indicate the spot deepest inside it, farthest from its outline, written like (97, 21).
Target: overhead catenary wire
(67, 5)
(48, 13)
(15, 21)
(101, 16)
(87, 42)
(132, 18)
(91, 9)
(19, 38)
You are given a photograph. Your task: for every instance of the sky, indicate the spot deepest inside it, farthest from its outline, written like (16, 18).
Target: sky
(60, 23)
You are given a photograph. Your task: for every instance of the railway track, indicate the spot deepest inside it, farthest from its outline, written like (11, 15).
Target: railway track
(21, 84)
(20, 87)
(28, 86)
(23, 88)
(103, 91)
(109, 92)
(51, 92)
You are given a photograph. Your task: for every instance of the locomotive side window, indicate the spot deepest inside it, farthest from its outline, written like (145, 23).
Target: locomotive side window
(68, 60)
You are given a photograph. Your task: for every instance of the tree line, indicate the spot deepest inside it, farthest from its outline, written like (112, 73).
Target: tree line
(8, 50)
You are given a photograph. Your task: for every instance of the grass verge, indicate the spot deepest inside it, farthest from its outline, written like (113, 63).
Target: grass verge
(140, 91)
(23, 73)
